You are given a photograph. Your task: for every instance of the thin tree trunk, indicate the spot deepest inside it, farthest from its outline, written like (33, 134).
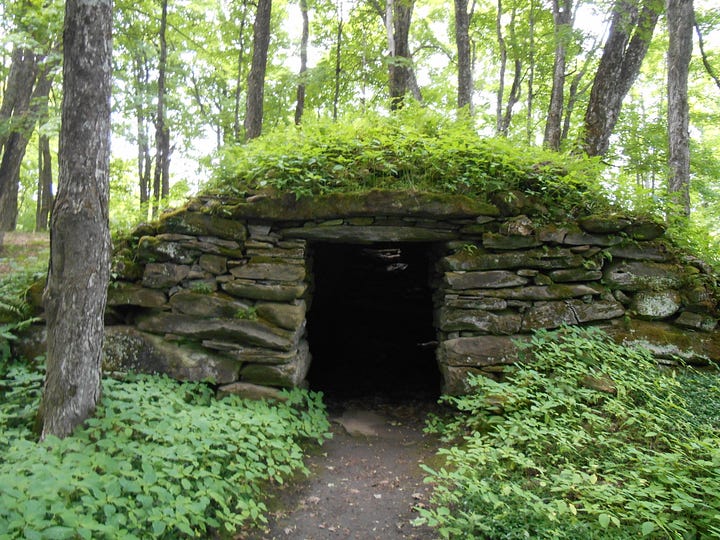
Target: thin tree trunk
(45, 193)
(500, 96)
(513, 98)
(338, 67)
(462, 40)
(630, 34)
(161, 178)
(680, 17)
(79, 267)
(256, 78)
(239, 72)
(531, 75)
(144, 160)
(706, 62)
(300, 105)
(562, 18)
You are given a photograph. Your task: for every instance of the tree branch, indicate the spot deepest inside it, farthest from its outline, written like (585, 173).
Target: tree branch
(705, 60)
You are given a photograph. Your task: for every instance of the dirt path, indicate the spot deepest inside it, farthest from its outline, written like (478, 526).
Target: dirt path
(365, 482)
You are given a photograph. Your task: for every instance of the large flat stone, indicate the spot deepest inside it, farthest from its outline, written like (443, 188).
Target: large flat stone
(274, 292)
(493, 279)
(287, 375)
(375, 233)
(207, 305)
(270, 271)
(539, 259)
(479, 351)
(184, 221)
(128, 350)
(369, 204)
(244, 332)
(164, 275)
(131, 294)
(471, 320)
(288, 316)
(637, 275)
(542, 293)
(666, 341)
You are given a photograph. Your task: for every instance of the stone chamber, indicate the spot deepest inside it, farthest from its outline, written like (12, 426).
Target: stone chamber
(386, 292)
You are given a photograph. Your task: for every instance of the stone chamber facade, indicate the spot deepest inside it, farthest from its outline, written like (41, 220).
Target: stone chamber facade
(389, 290)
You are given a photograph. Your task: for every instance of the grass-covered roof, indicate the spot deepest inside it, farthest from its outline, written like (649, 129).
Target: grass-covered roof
(410, 150)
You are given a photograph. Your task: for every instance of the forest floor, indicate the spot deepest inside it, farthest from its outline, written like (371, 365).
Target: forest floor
(21, 250)
(365, 483)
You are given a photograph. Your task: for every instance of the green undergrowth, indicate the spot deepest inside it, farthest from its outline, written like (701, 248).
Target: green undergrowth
(413, 149)
(160, 459)
(585, 439)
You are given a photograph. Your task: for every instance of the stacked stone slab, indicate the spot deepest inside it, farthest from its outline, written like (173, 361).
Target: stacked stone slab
(219, 290)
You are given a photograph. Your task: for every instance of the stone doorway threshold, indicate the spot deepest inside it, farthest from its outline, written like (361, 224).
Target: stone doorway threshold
(365, 482)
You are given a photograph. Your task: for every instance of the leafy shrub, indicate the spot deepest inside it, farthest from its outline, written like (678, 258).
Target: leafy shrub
(411, 149)
(585, 439)
(160, 459)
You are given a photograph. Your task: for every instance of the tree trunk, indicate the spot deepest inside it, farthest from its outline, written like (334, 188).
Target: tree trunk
(500, 96)
(79, 268)
(562, 18)
(300, 105)
(161, 178)
(14, 112)
(256, 78)
(529, 123)
(462, 40)
(680, 17)
(397, 17)
(144, 160)
(239, 73)
(45, 194)
(338, 67)
(630, 34)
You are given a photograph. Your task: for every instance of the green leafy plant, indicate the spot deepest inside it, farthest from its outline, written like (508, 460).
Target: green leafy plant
(585, 439)
(249, 314)
(160, 459)
(201, 287)
(413, 149)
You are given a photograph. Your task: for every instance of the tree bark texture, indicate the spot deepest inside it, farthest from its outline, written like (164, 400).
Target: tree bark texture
(680, 18)
(562, 19)
(45, 194)
(300, 101)
(256, 78)
(464, 60)
(631, 29)
(14, 115)
(161, 177)
(78, 274)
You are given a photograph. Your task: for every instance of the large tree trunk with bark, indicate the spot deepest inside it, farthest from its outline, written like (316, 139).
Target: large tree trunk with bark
(79, 268)
(631, 30)
(256, 78)
(680, 17)
(562, 18)
(464, 59)
(397, 16)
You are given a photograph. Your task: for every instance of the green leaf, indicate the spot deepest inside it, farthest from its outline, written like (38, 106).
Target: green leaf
(647, 528)
(604, 520)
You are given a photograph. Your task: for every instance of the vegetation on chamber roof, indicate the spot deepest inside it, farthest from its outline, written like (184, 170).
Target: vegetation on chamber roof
(413, 149)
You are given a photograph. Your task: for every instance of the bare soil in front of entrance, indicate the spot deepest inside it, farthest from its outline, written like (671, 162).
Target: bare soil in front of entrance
(365, 483)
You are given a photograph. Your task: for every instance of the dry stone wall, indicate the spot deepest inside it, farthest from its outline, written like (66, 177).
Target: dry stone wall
(220, 290)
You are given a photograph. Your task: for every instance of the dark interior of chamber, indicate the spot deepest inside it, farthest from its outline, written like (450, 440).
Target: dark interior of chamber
(370, 323)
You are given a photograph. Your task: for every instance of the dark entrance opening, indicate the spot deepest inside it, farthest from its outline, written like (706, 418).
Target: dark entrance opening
(370, 324)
